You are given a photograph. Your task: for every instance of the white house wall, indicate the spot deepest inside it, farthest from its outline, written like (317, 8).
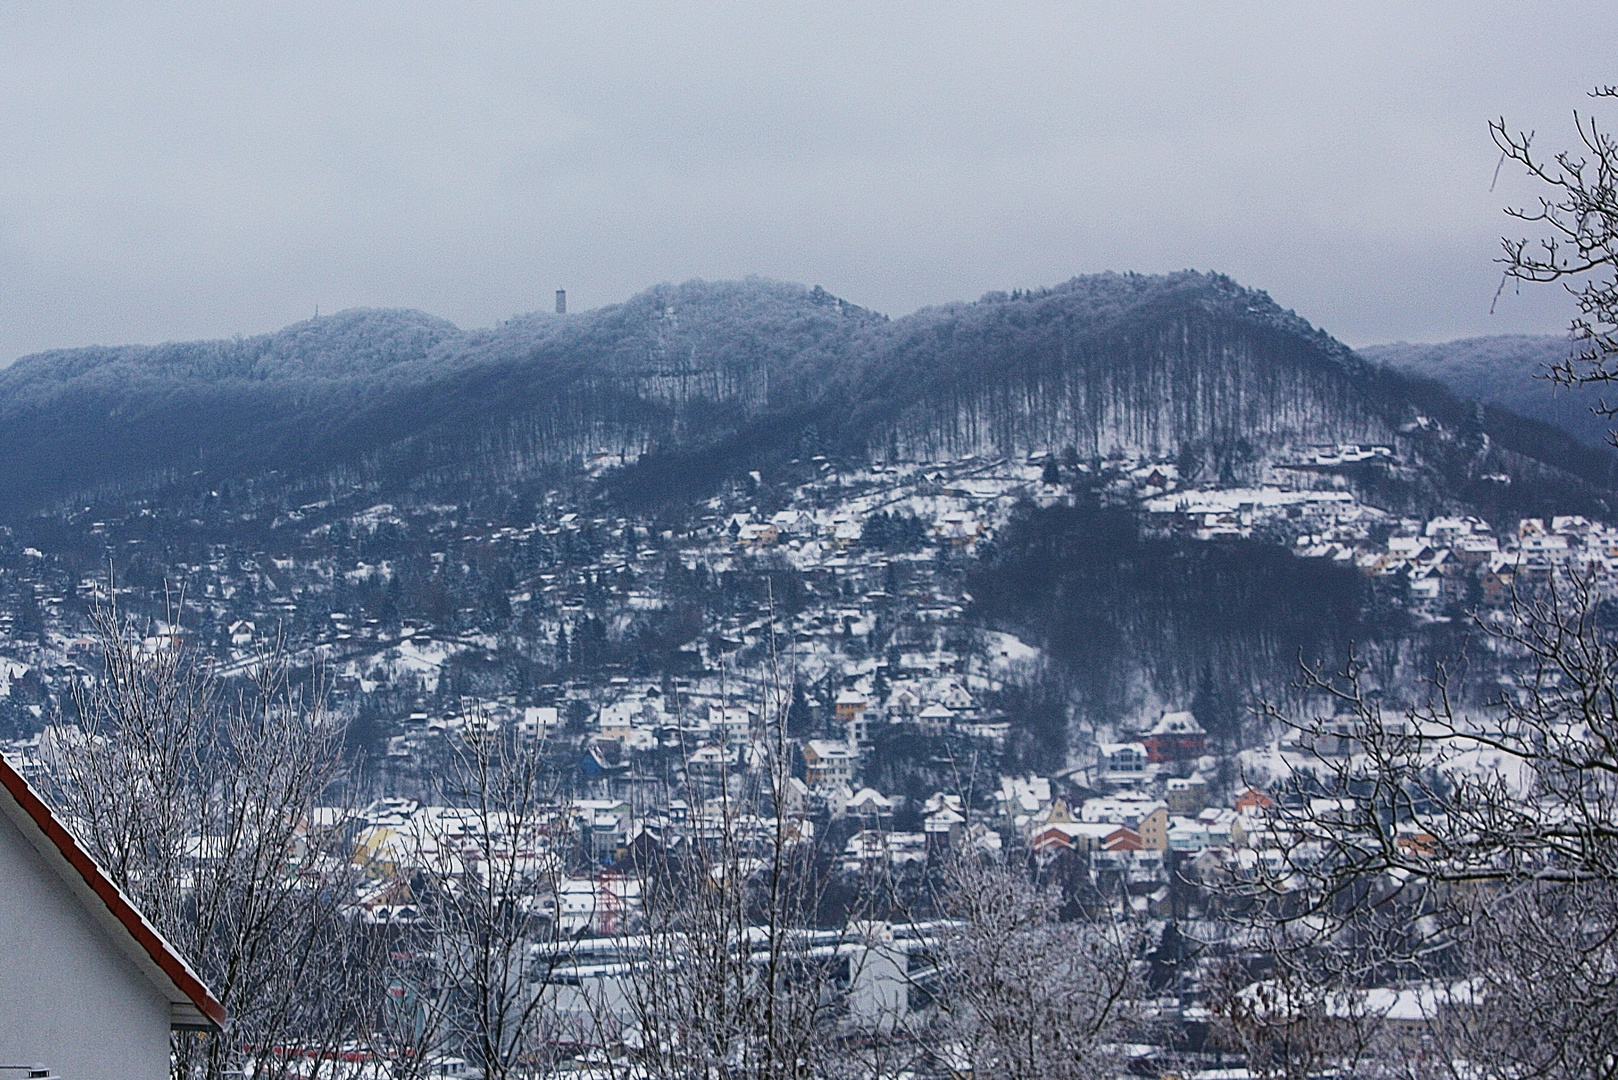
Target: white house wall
(68, 997)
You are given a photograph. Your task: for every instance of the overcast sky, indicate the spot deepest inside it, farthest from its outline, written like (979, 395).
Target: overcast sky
(175, 171)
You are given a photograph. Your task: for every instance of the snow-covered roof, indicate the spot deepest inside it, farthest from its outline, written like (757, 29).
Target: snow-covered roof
(1178, 723)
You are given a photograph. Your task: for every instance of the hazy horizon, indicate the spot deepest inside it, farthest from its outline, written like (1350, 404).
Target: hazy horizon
(206, 171)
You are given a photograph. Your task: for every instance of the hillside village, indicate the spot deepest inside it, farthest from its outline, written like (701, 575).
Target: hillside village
(1142, 675)
(634, 649)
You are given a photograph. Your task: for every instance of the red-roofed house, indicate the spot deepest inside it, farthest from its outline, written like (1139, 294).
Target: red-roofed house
(1253, 799)
(1059, 833)
(87, 987)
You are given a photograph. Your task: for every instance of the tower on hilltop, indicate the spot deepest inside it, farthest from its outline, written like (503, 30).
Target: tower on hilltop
(561, 301)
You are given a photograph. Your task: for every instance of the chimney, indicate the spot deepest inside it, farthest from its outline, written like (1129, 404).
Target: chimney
(561, 301)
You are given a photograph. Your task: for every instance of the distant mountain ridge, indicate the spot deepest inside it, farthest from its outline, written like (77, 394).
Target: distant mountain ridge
(349, 343)
(685, 385)
(1505, 370)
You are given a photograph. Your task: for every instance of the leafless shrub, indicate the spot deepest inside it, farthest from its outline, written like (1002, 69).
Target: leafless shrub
(465, 932)
(493, 882)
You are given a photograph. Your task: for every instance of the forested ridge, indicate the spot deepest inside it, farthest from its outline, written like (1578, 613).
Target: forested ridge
(685, 385)
(1509, 371)
(1211, 624)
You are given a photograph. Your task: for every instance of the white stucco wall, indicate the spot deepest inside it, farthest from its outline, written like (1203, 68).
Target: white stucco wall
(68, 997)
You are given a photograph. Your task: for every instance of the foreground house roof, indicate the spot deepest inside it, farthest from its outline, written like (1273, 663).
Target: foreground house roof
(191, 1005)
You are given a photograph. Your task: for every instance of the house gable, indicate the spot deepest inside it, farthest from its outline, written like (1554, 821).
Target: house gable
(30, 824)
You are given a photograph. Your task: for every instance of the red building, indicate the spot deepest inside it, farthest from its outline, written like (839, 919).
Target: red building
(1177, 737)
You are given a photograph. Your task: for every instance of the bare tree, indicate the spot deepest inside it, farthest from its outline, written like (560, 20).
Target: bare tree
(726, 976)
(1526, 851)
(738, 967)
(1297, 1012)
(1578, 245)
(1472, 851)
(1022, 993)
(202, 799)
(466, 973)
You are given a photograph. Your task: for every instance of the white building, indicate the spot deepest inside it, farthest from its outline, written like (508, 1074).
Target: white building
(828, 763)
(936, 719)
(87, 987)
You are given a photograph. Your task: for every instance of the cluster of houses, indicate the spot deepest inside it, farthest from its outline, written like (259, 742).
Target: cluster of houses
(1441, 561)
(572, 569)
(1462, 559)
(1141, 805)
(813, 535)
(552, 849)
